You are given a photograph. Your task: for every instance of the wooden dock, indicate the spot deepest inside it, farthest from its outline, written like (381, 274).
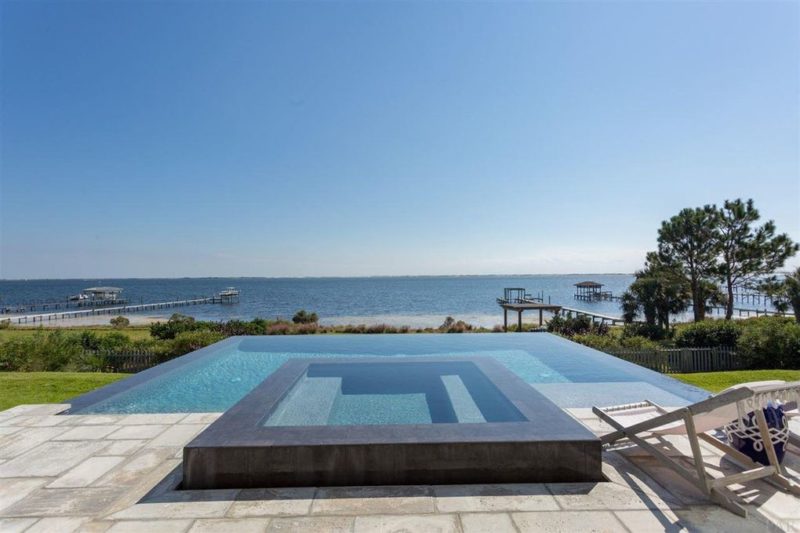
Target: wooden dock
(44, 306)
(594, 316)
(520, 307)
(117, 310)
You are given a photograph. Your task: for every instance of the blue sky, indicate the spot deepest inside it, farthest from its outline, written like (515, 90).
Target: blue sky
(384, 138)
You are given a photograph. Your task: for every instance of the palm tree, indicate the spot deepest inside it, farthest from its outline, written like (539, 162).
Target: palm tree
(659, 291)
(785, 293)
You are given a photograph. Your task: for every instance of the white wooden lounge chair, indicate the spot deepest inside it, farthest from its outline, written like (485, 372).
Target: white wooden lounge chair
(638, 421)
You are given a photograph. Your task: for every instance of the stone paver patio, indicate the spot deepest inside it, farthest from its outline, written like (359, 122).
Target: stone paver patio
(121, 473)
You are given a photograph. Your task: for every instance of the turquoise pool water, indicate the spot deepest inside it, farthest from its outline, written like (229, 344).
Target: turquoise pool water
(358, 394)
(215, 378)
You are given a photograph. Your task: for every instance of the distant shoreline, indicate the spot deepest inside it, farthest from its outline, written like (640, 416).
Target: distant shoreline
(410, 276)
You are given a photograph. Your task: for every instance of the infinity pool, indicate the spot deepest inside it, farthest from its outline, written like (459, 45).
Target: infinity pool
(215, 378)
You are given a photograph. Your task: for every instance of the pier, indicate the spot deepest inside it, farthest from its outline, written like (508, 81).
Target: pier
(591, 291)
(119, 310)
(93, 297)
(517, 300)
(594, 316)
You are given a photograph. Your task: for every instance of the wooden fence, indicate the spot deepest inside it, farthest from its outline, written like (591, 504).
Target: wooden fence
(129, 361)
(666, 361)
(682, 360)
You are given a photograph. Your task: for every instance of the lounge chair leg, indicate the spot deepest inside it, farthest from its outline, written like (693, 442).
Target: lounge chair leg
(725, 498)
(785, 483)
(699, 465)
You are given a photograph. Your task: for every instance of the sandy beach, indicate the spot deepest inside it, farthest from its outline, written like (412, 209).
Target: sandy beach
(413, 321)
(94, 320)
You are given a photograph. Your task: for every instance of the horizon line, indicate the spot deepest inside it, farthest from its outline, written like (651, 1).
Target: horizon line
(376, 276)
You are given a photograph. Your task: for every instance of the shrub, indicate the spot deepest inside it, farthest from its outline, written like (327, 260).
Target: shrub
(648, 331)
(450, 325)
(90, 340)
(306, 329)
(570, 326)
(176, 324)
(708, 333)
(278, 328)
(40, 352)
(770, 342)
(239, 327)
(610, 343)
(637, 342)
(114, 342)
(301, 317)
(120, 322)
(598, 342)
(188, 341)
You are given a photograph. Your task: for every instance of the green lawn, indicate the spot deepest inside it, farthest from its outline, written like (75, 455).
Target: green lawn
(717, 381)
(49, 387)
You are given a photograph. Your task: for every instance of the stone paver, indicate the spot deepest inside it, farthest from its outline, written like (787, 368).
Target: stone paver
(131, 471)
(14, 525)
(714, 518)
(486, 498)
(58, 525)
(86, 473)
(181, 504)
(487, 523)
(122, 447)
(7, 430)
(179, 435)
(36, 421)
(312, 524)
(272, 502)
(232, 525)
(138, 432)
(24, 441)
(407, 523)
(13, 490)
(151, 526)
(97, 473)
(49, 459)
(95, 432)
(147, 419)
(65, 502)
(95, 420)
(200, 418)
(650, 520)
(373, 500)
(37, 409)
(568, 521)
(591, 496)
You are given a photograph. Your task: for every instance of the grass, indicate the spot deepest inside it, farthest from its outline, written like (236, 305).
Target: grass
(717, 381)
(134, 332)
(49, 387)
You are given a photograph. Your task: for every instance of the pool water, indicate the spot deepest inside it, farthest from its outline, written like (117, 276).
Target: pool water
(357, 394)
(215, 378)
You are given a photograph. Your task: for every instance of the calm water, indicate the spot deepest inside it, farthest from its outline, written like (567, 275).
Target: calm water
(569, 374)
(414, 301)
